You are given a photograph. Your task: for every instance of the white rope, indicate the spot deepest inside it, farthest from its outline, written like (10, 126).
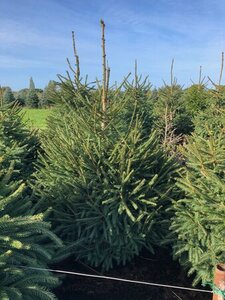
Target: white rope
(120, 279)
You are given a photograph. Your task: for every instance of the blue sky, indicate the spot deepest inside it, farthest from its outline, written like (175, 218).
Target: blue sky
(35, 38)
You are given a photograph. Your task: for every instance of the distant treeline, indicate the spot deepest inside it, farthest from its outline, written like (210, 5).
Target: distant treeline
(192, 99)
(32, 97)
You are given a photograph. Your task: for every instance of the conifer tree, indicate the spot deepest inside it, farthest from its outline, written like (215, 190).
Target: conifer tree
(212, 118)
(32, 100)
(109, 192)
(26, 241)
(109, 188)
(199, 217)
(31, 85)
(137, 101)
(171, 119)
(21, 97)
(14, 131)
(8, 96)
(49, 94)
(195, 99)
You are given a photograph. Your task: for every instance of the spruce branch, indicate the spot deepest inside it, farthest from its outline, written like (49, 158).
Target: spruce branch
(213, 83)
(76, 70)
(136, 74)
(221, 68)
(70, 66)
(200, 76)
(107, 82)
(171, 74)
(201, 79)
(105, 76)
(168, 116)
(221, 73)
(76, 56)
(1, 96)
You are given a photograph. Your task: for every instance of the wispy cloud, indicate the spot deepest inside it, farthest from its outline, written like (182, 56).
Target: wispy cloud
(7, 61)
(18, 34)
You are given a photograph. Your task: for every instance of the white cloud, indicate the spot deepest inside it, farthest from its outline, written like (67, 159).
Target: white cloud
(17, 34)
(7, 61)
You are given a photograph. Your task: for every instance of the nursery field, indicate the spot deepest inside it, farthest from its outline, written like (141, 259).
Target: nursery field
(126, 182)
(36, 117)
(135, 192)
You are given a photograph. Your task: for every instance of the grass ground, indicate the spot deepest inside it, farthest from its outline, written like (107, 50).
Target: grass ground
(36, 117)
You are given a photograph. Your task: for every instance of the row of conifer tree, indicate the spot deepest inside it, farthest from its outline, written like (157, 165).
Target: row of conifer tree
(31, 97)
(118, 169)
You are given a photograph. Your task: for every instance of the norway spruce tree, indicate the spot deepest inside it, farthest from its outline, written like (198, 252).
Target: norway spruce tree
(32, 99)
(195, 99)
(14, 131)
(171, 119)
(199, 217)
(49, 94)
(8, 95)
(109, 188)
(22, 96)
(31, 85)
(26, 241)
(210, 120)
(212, 117)
(137, 101)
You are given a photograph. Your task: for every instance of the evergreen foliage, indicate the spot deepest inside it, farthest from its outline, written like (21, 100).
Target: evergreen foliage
(49, 94)
(171, 119)
(32, 99)
(31, 85)
(212, 118)
(218, 95)
(21, 97)
(107, 171)
(8, 96)
(109, 188)
(195, 99)
(14, 131)
(199, 217)
(26, 240)
(137, 102)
